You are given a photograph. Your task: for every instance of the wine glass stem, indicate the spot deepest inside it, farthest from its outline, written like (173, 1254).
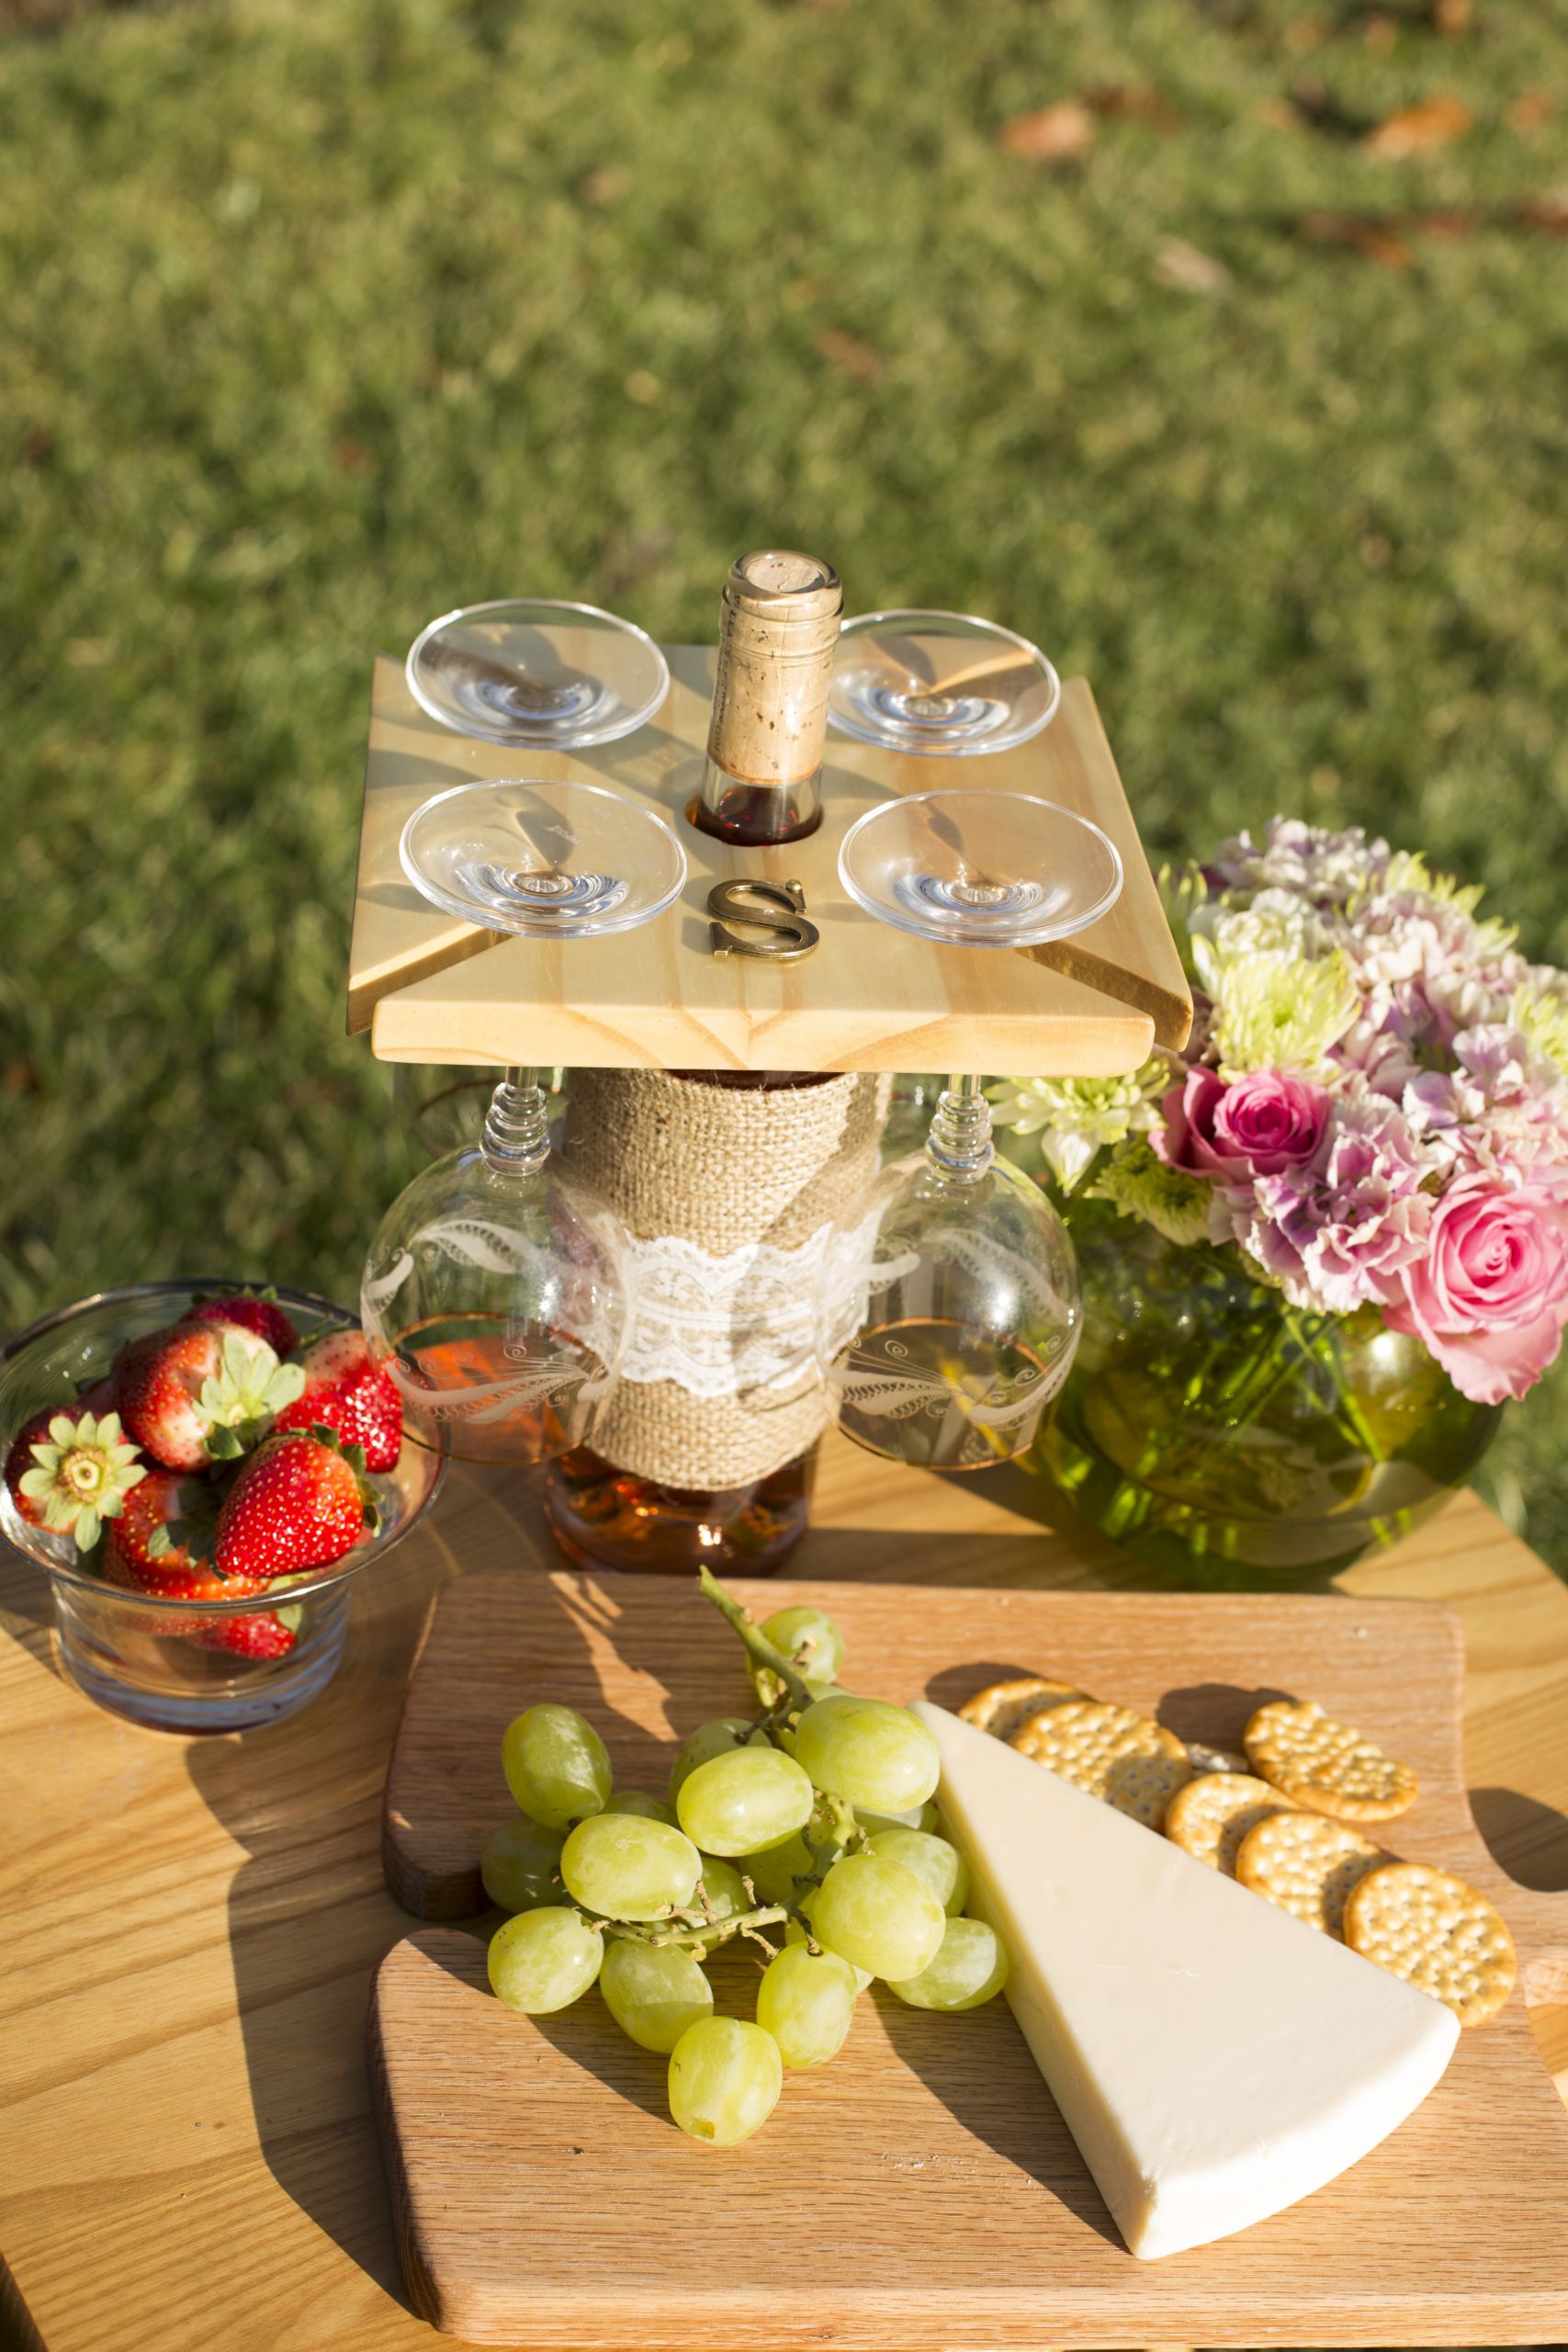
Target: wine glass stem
(517, 1124)
(959, 1145)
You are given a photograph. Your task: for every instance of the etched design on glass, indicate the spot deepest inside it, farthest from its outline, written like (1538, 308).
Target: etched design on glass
(975, 1400)
(950, 1312)
(494, 1293)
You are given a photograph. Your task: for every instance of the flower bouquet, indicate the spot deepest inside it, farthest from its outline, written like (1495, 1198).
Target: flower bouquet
(1322, 1246)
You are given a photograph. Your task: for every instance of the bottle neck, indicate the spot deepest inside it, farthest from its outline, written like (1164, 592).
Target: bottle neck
(516, 1139)
(752, 815)
(959, 1146)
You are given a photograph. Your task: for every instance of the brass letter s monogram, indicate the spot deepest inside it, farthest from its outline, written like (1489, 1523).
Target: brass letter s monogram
(781, 912)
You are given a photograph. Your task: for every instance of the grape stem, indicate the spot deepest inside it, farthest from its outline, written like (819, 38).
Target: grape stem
(695, 1930)
(758, 1646)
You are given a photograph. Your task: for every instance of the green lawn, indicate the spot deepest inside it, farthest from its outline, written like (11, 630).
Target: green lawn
(320, 315)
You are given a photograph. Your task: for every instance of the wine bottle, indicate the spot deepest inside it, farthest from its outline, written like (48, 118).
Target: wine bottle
(779, 626)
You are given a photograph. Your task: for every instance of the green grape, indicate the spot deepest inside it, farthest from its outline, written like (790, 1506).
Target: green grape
(796, 1931)
(720, 1737)
(519, 1865)
(542, 1959)
(942, 1866)
(971, 1966)
(806, 2001)
(867, 1752)
(654, 1995)
(724, 2080)
(647, 1808)
(727, 1897)
(811, 1641)
(629, 1869)
(556, 1766)
(744, 1802)
(773, 1872)
(914, 1817)
(878, 1914)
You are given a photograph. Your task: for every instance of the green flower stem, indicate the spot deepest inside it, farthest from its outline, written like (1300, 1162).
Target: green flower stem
(758, 1646)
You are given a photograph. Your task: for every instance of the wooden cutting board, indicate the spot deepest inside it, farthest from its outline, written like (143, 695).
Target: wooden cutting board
(922, 2192)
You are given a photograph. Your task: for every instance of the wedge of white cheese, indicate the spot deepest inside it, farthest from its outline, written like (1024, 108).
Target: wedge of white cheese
(1214, 2059)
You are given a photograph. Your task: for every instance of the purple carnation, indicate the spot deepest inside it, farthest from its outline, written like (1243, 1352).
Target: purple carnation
(1341, 1228)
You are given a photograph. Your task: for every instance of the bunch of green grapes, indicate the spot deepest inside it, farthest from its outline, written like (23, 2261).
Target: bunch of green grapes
(808, 1828)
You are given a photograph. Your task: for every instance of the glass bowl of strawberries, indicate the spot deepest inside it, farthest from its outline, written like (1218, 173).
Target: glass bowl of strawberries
(203, 1468)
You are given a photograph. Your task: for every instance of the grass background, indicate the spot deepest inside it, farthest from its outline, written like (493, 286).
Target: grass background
(321, 315)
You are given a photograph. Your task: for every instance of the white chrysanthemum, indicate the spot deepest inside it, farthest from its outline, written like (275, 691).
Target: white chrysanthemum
(1277, 922)
(1274, 1011)
(1137, 1182)
(1077, 1117)
(1329, 868)
(1540, 1011)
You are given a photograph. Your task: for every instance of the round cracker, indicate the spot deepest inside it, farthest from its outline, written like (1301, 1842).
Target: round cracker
(1003, 1708)
(1204, 1758)
(1439, 1933)
(1111, 1752)
(1307, 1864)
(1210, 1817)
(1324, 1765)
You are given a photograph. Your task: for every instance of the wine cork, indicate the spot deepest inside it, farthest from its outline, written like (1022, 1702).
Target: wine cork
(778, 631)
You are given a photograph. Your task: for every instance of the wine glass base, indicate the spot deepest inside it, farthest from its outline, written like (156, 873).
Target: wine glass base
(553, 675)
(550, 896)
(542, 857)
(904, 719)
(979, 868)
(939, 686)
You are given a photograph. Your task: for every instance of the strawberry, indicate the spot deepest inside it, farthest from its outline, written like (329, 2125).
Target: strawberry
(260, 1633)
(163, 1540)
(201, 1392)
(300, 1501)
(69, 1470)
(345, 1391)
(20, 1461)
(248, 1311)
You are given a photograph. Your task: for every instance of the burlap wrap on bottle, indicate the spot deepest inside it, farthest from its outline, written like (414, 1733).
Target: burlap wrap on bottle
(727, 1194)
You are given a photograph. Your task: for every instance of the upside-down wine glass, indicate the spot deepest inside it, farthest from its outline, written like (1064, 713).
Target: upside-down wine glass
(950, 1309)
(945, 685)
(972, 867)
(538, 670)
(495, 1291)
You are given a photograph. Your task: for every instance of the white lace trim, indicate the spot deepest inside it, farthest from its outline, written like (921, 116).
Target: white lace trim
(723, 1326)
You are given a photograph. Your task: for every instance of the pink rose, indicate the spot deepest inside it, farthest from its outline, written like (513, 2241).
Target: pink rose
(1258, 1127)
(1490, 1297)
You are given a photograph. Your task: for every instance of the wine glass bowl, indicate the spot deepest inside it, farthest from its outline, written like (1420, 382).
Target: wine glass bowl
(949, 1305)
(979, 868)
(543, 858)
(553, 675)
(494, 1290)
(939, 685)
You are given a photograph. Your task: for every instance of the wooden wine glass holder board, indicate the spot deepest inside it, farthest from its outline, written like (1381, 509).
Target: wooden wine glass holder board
(921, 2192)
(432, 988)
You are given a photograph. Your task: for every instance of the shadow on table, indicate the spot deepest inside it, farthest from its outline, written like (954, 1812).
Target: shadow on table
(309, 1919)
(1528, 1839)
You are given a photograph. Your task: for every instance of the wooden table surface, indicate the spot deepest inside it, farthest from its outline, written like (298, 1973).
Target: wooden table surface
(187, 2161)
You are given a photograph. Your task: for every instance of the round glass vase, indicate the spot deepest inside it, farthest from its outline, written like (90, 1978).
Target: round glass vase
(1224, 1437)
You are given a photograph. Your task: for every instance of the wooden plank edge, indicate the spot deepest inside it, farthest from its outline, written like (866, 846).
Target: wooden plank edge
(403, 1028)
(1167, 1000)
(1460, 2316)
(1169, 1016)
(416, 2274)
(367, 989)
